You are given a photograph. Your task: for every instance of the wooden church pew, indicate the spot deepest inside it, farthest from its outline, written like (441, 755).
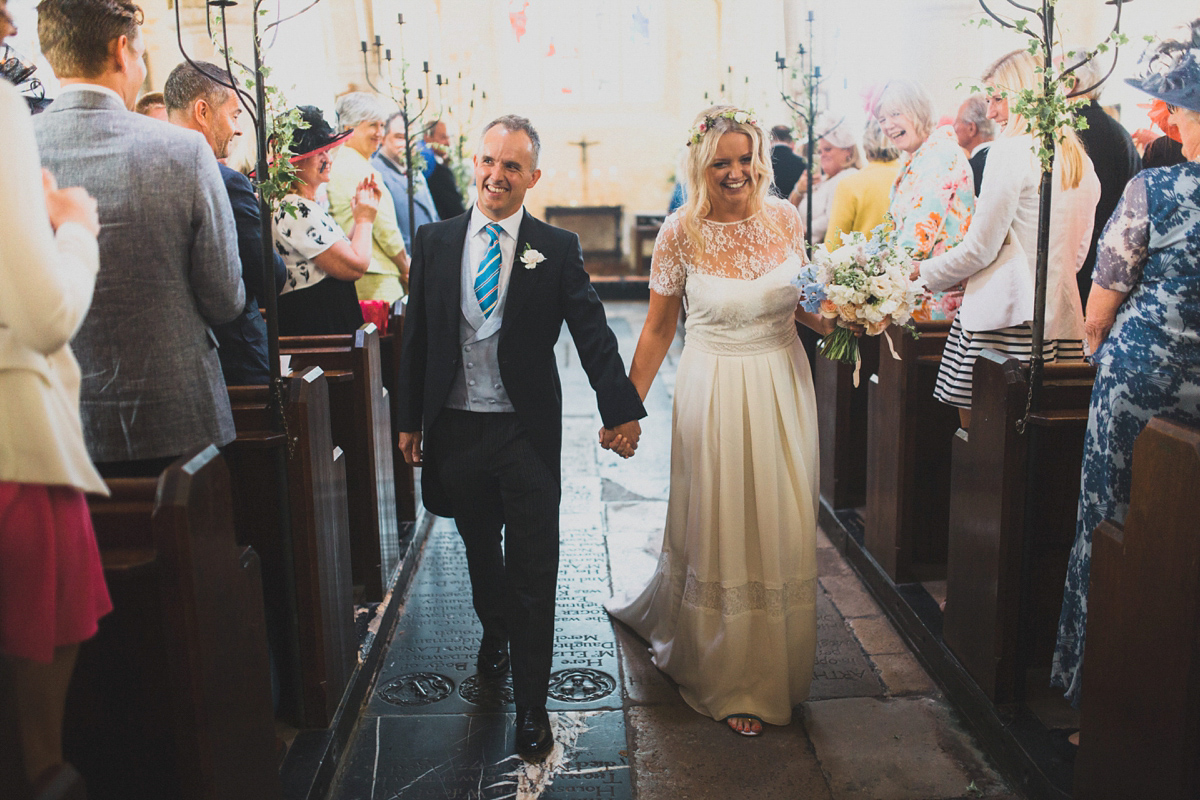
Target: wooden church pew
(1140, 711)
(361, 426)
(1005, 577)
(908, 458)
(172, 698)
(389, 359)
(304, 544)
(842, 426)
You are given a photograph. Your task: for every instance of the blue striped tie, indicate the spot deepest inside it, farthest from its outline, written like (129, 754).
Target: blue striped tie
(487, 279)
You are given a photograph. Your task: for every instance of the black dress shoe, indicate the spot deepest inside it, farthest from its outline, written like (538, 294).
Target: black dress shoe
(534, 739)
(492, 662)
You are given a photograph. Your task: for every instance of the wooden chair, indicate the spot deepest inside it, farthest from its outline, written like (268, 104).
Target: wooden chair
(908, 459)
(389, 359)
(1006, 568)
(842, 425)
(361, 426)
(305, 541)
(172, 698)
(1140, 711)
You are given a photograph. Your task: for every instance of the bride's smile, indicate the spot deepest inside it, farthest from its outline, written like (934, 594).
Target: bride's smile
(731, 181)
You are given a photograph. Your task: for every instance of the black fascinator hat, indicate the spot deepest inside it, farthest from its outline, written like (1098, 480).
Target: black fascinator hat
(1171, 70)
(316, 138)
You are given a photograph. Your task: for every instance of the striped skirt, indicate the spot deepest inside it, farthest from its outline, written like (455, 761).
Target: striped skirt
(963, 347)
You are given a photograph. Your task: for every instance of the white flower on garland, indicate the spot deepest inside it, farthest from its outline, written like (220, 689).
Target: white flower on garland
(531, 258)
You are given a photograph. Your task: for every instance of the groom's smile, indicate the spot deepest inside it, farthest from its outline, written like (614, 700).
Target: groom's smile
(505, 167)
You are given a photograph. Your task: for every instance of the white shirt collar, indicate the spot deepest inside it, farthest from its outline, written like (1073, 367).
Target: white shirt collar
(980, 146)
(479, 221)
(91, 87)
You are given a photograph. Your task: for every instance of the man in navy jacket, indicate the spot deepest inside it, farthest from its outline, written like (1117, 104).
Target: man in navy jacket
(197, 100)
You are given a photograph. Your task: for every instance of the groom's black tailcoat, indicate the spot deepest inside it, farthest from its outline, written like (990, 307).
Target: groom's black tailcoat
(538, 301)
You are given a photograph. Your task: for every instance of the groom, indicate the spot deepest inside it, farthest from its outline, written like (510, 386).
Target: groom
(489, 292)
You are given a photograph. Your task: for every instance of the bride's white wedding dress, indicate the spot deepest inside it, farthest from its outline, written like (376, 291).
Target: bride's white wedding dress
(730, 611)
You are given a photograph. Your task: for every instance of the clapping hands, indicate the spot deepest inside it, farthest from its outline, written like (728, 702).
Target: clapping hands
(364, 205)
(623, 439)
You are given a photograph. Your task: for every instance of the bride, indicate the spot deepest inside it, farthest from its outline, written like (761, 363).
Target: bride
(730, 611)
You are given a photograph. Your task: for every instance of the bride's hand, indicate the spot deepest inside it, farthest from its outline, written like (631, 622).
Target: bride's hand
(853, 327)
(611, 440)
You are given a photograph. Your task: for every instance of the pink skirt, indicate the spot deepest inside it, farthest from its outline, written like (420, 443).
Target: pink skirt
(52, 590)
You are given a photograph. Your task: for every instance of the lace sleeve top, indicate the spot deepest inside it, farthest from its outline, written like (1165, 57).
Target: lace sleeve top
(744, 250)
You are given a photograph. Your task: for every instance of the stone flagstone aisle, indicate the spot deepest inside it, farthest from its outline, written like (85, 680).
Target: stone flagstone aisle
(875, 728)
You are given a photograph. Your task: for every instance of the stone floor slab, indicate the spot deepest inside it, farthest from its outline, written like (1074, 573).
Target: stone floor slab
(877, 636)
(471, 756)
(850, 595)
(681, 755)
(841, 668)
(901, 673)
(897, 749)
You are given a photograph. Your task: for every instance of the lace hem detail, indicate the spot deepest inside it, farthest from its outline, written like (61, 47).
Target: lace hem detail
(752, 596)
(726, 347)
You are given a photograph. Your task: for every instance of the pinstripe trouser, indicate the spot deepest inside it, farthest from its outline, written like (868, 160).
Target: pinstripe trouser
(497, 481)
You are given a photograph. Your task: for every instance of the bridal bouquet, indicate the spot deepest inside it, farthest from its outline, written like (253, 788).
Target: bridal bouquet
(864, 282)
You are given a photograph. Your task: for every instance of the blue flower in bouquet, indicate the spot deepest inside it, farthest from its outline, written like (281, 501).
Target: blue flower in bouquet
(812, 291)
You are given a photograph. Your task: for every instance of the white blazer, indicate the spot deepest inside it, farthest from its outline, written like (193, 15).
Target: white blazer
(46, 282)
(997, 257)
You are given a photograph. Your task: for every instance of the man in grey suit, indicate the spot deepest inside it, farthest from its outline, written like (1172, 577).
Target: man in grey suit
(390, 161)
(169, 268)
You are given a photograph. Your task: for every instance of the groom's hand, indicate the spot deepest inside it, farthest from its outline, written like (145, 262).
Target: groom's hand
(623, 439)
(410, 446)
(609, 440)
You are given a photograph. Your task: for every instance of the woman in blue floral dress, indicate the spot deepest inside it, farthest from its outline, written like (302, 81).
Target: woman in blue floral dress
(1143, 328)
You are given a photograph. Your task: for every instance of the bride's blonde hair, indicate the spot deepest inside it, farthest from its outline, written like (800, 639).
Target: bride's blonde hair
(718, 120)
(1015, 72)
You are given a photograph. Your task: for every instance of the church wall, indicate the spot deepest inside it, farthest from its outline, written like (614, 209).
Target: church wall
(626, 75)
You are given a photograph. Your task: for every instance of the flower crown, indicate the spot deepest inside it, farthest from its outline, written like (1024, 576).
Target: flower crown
(703, 126)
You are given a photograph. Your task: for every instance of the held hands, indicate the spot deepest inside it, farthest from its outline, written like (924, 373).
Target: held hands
(410, 446)
(69, 205)
(365, 203)
(623, 439)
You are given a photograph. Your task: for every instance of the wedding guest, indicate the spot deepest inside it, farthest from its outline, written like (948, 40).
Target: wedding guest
(786, 165)
(363, 115)
(837, 154)
(975, 133)
(861, 200)
(479, 405)
(932, 199)
(729, 613)
(442, 184)
(322, 262)
(197, 97)
(152, 105)
(391, 162)
(1112, 152)
(152, 386)
(1143, 331)
(1159, 150)
(997, 257)
(52, 590)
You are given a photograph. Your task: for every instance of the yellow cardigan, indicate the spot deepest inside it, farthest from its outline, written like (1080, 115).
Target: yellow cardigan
(861, 201)
(382, 281)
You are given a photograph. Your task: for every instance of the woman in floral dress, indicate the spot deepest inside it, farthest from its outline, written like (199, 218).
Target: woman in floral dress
(933, 197)
(1143, 327)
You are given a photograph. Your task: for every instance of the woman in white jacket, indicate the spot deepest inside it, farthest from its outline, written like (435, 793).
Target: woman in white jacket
(997, 257)
(52, 590)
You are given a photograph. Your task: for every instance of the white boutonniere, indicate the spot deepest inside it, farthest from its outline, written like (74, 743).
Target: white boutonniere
(531, 258)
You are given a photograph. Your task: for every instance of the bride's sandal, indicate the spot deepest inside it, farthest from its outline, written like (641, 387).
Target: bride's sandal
(748, 731)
